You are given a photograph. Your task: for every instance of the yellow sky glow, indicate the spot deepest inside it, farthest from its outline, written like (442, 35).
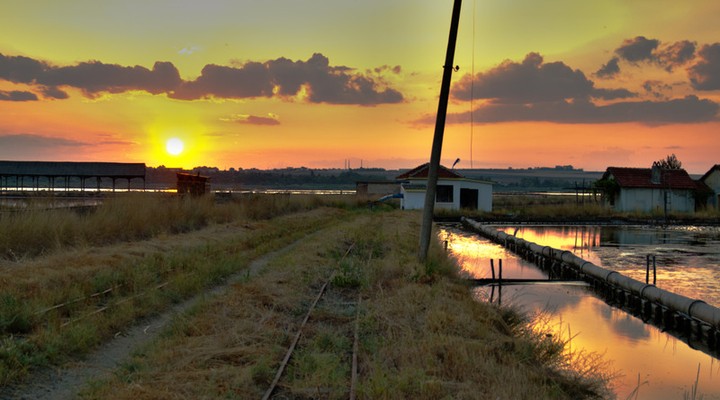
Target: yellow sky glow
(375, 46)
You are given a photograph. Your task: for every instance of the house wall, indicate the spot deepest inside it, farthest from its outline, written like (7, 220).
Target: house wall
(484, 194)
(713, 181)
(653, 200)
(412, 199)
(415, 199)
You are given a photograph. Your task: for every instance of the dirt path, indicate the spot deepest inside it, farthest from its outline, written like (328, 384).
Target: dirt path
(66, 382)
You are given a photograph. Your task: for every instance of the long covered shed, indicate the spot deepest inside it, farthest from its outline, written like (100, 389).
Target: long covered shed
(52, 175)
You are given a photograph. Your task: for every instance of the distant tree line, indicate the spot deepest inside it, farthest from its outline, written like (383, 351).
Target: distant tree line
(276, 178)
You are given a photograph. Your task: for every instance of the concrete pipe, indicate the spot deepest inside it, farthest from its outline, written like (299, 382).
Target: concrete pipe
(535, 248)
(627, 283)
(676, 301)
(565, 256)
(707, 313)
(597, 272)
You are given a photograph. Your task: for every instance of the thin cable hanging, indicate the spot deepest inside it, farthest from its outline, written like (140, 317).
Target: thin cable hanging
(472, 84)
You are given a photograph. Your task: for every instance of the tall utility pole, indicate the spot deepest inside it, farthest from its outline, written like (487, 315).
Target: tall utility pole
(429, 208)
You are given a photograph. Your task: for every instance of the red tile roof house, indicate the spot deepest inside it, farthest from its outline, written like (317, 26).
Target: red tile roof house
(712, 180)
(454, 191)
(652, 189)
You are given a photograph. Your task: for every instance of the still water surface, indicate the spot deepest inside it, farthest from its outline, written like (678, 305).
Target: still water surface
(687, 257)
(665, 366)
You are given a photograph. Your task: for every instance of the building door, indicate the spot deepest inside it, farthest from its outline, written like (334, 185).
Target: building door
(469, 198)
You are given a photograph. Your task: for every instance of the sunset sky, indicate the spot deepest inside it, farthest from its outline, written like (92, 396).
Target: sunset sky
(289, 83)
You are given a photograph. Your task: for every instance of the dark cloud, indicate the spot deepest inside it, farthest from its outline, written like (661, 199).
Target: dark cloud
(52, 92)
(656, 89)
(270, 119)
(705, 74)
(21, 69)
(255, 120)
(690, 109)
(385, 68)
(95, 77)
(282, 77)
(26, 146)
(643, 50)
(638, 49)
(612, 94)
(252, 80)
(17, 95)
(553, 92)
(91, 77)
(673, 55)
(321, 82)
(610, 69)
(532, 81)
(12, 144)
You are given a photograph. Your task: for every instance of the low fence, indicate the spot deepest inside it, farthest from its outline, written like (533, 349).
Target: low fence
(695, 319)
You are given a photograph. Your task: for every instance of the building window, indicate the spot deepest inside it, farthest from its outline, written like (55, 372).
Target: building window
(444, 194)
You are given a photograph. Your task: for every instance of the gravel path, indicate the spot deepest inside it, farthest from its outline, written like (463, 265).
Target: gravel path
(66, 382)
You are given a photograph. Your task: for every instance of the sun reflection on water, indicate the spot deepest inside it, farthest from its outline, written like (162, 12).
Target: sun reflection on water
(687, 258)
(666, 366)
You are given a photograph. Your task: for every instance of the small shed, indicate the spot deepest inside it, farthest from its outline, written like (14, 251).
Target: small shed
(712, 180)
(650, 189)
(192, 184)
(453, 191)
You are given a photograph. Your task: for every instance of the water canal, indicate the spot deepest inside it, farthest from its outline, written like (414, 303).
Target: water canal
(657, 364)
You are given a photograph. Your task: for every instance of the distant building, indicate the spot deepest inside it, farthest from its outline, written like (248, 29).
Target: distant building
(650, 189)
(712, 180)
(453, 192)
(192, 184)
(376, 188)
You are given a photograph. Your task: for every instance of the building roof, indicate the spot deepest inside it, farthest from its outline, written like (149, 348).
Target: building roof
(421, 172)
(714, 168)
(84, 169)
(641, 178)
(196, 178)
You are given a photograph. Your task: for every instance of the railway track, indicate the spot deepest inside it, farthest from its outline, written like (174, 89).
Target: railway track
(321, 361)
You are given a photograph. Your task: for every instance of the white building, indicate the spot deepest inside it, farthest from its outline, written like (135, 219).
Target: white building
(453, 190)
(650, 189)
(712, 180)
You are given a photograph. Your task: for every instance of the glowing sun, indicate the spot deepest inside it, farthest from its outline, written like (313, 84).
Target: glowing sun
(174, 146)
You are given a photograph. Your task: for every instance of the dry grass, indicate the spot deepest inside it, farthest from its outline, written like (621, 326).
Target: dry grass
(422, 335)
(61, 305)
(136, 216)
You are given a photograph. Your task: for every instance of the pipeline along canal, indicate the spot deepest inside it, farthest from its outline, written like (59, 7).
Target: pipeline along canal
(666, 367)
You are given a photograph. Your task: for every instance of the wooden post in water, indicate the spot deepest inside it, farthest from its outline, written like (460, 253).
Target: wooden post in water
(492, 268)
(429, 207)
(654, 271)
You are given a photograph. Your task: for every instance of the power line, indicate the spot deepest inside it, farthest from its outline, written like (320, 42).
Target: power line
(472, 85)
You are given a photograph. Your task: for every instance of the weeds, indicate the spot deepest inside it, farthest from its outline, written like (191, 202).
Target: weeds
(693, 394)
(51, 311)
(137, 216)
(422, 335)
